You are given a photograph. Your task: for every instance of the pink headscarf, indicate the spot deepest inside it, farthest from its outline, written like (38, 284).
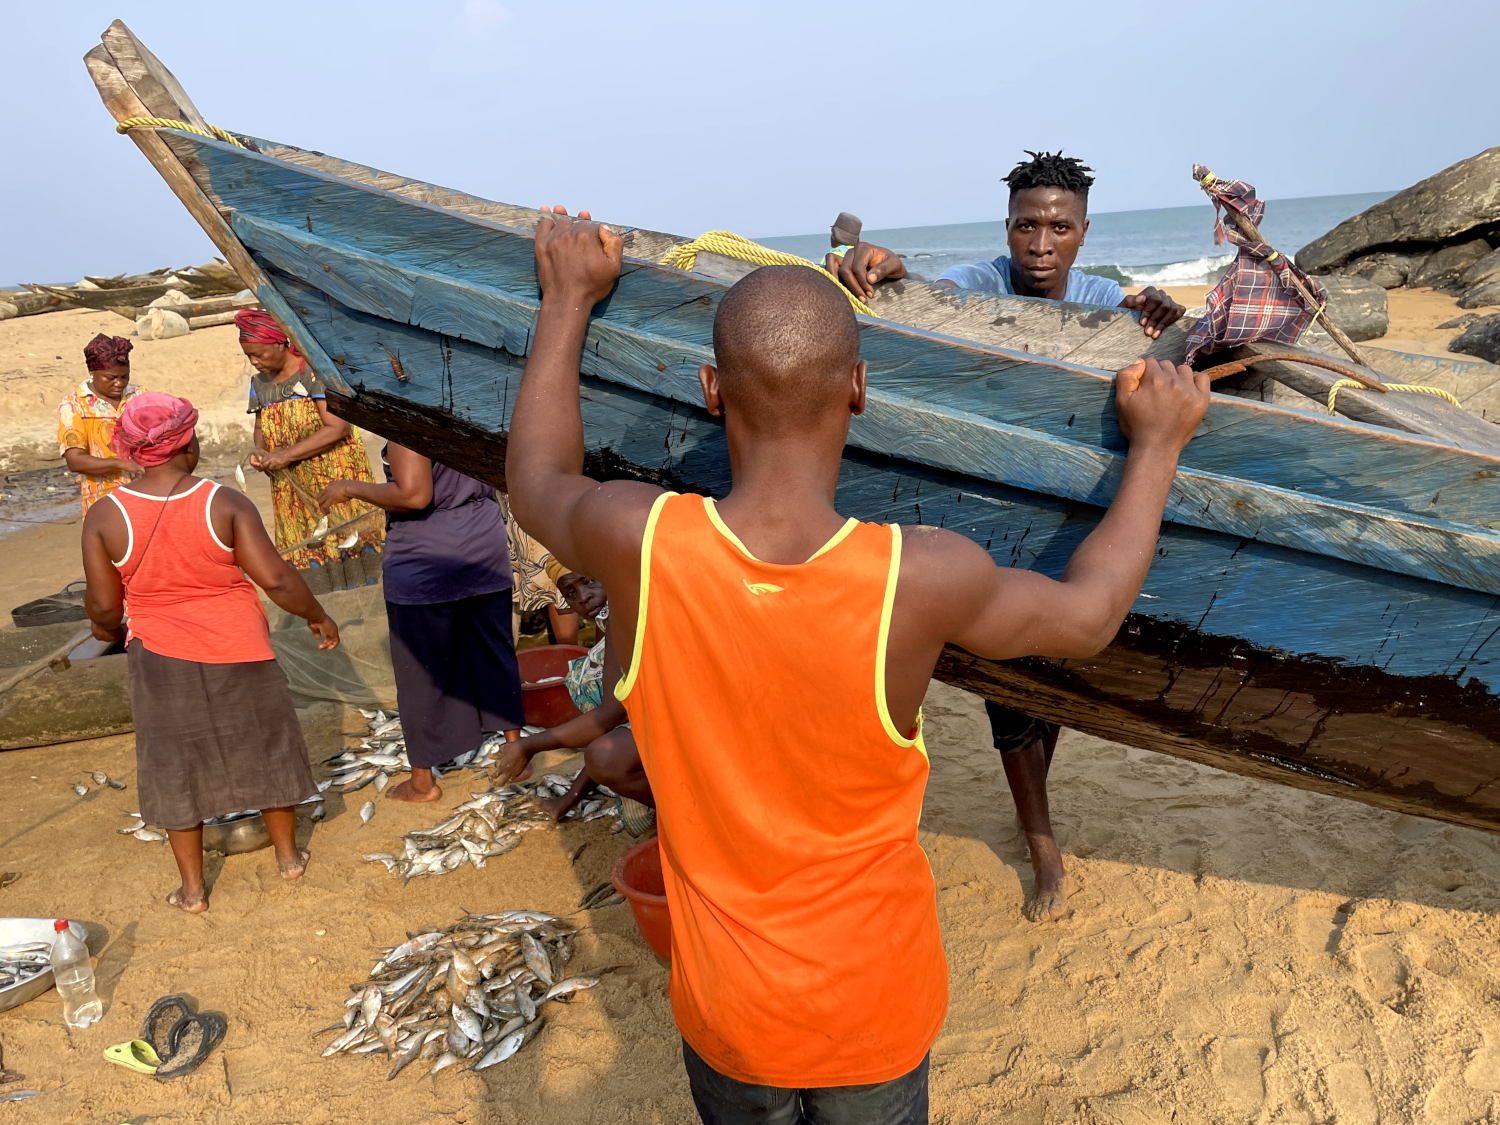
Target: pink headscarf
(261, 328)
(153, 426)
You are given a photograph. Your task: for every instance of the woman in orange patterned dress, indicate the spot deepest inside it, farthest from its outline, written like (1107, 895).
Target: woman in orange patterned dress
(303, 447)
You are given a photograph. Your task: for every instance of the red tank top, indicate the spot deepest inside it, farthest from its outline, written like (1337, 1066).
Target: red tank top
(184, 595)
(805, 943)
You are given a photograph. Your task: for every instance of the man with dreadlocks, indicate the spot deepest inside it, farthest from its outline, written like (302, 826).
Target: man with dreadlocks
(1049, 197)
(1046, 225)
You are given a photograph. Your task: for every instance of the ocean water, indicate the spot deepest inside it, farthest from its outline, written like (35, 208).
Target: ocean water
(1163, 246)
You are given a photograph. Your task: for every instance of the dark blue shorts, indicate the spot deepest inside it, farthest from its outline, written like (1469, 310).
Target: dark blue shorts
(727, 1101)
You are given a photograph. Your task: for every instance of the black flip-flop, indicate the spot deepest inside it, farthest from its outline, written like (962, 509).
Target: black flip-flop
(163, 1015)
(191, 1040)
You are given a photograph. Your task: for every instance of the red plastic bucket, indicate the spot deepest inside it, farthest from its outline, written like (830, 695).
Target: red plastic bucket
(549, 704)
(638, 877)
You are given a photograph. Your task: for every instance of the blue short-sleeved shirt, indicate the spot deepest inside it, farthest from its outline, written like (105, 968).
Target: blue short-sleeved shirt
(994, 277)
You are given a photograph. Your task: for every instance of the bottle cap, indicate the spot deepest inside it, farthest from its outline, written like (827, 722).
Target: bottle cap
(60, 925)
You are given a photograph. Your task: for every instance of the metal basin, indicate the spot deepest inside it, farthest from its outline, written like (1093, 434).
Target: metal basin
(237, 834)
(23, 931)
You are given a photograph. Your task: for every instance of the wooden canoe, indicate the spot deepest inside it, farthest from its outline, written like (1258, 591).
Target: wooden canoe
(1324, 609)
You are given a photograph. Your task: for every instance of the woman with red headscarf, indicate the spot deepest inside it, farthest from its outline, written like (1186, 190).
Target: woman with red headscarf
(302, 446)
(86, 419)
(215, 731)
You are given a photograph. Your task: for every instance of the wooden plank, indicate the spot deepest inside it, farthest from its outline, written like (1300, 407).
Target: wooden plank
(1472, 382)
(1415, 413)
(159, 91)
(122, 103)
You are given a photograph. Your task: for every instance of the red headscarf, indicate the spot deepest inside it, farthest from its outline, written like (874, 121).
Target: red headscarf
(103, 353)
(153, 426)
(260, 327)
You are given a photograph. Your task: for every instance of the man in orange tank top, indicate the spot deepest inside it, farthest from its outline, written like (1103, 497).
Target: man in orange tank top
(808, 978)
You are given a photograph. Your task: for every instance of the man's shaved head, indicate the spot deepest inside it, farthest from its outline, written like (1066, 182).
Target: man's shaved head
(785, 341)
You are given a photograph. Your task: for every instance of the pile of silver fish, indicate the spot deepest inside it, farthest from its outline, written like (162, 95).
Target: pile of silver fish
(471, 993)
(382, 755)
(19, 963)
(488, 825)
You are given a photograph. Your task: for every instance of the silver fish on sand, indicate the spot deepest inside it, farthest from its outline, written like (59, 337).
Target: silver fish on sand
(131, 828)
(99, 778)
(149, 835)
(81, 790)
(460, 995)
(366, 813)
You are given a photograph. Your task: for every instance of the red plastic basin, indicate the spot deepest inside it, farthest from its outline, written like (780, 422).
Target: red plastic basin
(638, 877)
(547, 705)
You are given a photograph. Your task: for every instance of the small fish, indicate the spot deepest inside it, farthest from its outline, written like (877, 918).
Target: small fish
(503, 1049)
(81, 790)
(407, 1055)
(366, 813)
(239, 476)
(345, 1041)
(382, 779)
(99, 778)
(345, 544)
(149, 835)
(536, 959)
(568, 987)
(318, 812)
(369, 1005)
(321, 531)
(467, 1022)
(113, 784)
(524, 1003)
(131, 828)
(390, 861)
(323, 785)
(444, 1061)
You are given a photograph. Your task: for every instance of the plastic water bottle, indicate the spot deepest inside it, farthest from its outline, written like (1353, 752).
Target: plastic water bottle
(73, 974)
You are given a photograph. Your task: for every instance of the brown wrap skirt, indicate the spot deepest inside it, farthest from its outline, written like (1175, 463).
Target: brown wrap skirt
(212, 739)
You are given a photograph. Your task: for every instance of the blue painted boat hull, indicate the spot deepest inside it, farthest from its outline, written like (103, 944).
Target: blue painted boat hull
(1344, 671)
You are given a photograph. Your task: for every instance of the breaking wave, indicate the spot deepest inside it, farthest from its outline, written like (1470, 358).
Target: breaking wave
(1196, 271)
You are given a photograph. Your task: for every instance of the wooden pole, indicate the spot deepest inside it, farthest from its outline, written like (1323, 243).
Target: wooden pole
(1252, 232)
(123, 103)
(57, 655)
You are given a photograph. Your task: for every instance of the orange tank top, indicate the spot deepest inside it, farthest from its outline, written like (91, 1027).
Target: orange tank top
(184, 595)
(805, 943)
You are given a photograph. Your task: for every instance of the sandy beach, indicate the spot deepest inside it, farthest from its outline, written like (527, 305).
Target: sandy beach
(1238, 951)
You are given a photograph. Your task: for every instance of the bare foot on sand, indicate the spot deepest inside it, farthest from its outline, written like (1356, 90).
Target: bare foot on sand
(1049, 896)
(419, 788)
(294, 867)
(179, 899)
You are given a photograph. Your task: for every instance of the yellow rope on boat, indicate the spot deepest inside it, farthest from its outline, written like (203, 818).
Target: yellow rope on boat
(1333, 391)
(731, 245)
(168, 123)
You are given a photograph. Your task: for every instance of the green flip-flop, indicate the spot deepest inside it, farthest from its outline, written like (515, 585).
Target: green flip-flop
(136, 1055)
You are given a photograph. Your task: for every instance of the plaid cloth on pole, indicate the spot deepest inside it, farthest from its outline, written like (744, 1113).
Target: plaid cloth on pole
(1256, 299)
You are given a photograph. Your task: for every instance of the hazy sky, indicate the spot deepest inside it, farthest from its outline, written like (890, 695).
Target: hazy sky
(760, 117)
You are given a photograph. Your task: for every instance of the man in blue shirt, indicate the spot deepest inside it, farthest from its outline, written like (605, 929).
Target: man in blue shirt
(1045, 228)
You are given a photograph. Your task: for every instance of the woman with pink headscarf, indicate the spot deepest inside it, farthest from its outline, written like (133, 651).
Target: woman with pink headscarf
(302, 447)
(167, 558)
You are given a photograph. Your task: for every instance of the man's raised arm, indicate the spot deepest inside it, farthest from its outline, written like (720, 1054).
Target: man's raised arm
(592, 528)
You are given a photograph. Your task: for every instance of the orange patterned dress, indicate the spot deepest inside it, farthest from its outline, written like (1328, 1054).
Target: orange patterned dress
(289, 414)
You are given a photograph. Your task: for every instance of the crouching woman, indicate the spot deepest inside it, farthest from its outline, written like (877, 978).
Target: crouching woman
(166, 563)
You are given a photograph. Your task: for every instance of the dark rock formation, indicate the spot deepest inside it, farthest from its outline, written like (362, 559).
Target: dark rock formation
(1461, 321)
(1441, 269)
(1458, 204)
(1386, 269)
(1357, 305)
(1480, 339)
(1481, 296)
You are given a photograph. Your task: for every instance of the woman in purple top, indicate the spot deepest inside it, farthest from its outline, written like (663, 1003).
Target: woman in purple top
(448, 582)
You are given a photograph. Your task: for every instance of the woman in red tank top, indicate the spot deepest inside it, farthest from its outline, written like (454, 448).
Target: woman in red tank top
(166, 562)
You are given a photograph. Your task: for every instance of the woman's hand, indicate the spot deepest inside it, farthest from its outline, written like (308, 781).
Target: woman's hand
(270, 462)
(325, 630)
(337, 492)
(514, 763)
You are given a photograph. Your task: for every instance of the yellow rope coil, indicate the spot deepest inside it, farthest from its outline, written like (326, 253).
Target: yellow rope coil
(1333, 391)
(731, 245)
(168, 123)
